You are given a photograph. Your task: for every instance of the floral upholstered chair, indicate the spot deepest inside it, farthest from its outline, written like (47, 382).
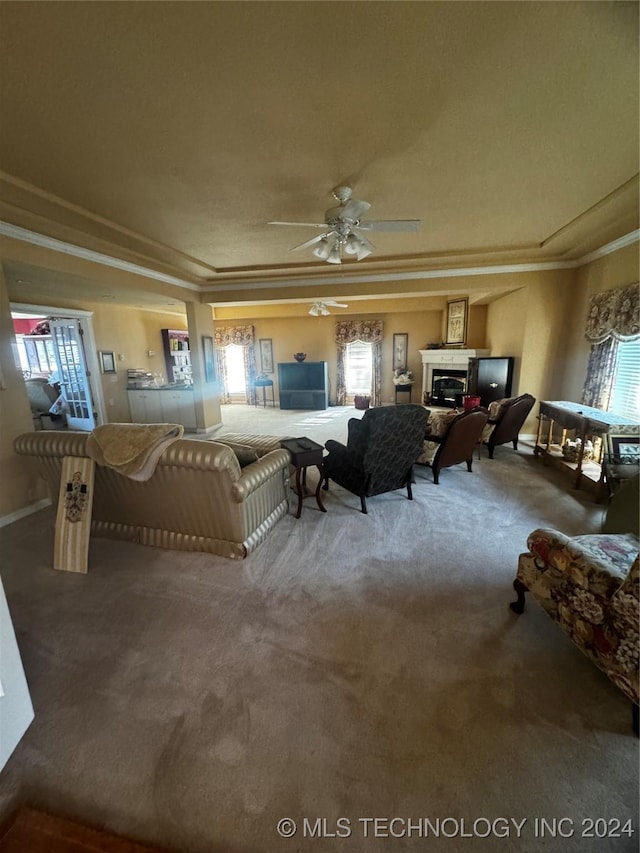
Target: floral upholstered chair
(589, 586)
(451, 438)
(506, 418)
(381, 449)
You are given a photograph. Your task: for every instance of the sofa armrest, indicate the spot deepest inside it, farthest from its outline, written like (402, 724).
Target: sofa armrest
(254, 475)
(583, 566)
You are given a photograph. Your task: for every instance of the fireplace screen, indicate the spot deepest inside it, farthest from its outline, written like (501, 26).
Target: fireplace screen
(448, 387)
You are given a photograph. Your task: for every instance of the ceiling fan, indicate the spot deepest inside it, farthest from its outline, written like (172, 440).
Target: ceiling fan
(321, 309)
(343, 229)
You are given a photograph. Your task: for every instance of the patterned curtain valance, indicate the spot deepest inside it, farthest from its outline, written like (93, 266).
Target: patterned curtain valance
(615, 314)
(367, 331)
(241, 336)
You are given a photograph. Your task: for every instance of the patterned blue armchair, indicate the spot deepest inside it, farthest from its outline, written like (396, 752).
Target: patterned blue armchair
(381, 449)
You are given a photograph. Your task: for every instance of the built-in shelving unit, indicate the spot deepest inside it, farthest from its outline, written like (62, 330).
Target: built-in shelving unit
(177, 355)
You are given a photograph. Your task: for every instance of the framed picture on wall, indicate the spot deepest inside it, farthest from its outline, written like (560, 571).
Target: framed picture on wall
(400, 347)
(266, 355)
(457, 311)
(207, 352)
(107, 361)
(623, 448)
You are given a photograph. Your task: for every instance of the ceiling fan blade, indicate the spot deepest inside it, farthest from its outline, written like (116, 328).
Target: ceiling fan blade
(364, 240)
(301, 224)
(335, 304)
(391, 225)
(354, 209)
(312, 241)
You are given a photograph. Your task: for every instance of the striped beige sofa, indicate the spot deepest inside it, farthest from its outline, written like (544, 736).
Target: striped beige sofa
(198, 498)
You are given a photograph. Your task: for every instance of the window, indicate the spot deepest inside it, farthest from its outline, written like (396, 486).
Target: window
(359, 368)
(234, 361)
(625, 397)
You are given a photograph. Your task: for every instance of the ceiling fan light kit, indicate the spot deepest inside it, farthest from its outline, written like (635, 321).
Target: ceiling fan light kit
(320, 309)
(344, 225)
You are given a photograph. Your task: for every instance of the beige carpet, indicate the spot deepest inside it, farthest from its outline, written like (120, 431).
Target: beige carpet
(353, 667)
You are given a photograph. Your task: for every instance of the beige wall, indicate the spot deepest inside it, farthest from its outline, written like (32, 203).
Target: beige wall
(615, 270)
(530, 324)
(316, 337)
(20, 483)
(131, 334)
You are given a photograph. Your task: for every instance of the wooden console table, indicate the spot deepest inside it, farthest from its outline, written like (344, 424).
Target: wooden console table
(585, 420)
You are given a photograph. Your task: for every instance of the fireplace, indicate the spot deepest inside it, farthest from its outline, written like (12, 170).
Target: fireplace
(448, 386)
(453, 363)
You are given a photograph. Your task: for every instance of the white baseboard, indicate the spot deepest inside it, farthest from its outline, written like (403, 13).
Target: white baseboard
(21, 513)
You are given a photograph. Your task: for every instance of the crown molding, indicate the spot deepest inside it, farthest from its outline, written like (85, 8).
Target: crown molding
(26, 236)
(626, 240)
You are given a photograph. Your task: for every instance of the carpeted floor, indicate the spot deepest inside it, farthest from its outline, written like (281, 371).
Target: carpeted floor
(353, 667)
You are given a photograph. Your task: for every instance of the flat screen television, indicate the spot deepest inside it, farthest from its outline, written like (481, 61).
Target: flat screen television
(301, 376)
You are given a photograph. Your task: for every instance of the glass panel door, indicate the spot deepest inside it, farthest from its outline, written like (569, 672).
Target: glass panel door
(72, 369)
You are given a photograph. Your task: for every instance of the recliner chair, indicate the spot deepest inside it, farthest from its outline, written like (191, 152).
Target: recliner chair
(381, 449)
(506, 418)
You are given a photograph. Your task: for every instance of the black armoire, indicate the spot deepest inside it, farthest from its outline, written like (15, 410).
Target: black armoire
(490, 378)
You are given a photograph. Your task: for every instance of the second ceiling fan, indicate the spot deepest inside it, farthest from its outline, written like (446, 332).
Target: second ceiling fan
(321, 309)
(344, 227)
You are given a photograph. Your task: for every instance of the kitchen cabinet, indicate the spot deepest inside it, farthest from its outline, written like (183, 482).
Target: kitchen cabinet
(163, 406)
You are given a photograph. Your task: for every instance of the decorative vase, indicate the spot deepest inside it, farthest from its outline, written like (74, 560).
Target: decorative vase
(299, 356)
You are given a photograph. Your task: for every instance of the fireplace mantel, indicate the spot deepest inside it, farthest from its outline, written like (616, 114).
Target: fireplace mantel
(455, 359)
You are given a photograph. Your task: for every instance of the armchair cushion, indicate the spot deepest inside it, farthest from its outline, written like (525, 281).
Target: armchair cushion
(245, 454)
(589, 586)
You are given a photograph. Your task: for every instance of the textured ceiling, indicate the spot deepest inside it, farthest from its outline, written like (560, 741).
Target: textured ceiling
(172, 133)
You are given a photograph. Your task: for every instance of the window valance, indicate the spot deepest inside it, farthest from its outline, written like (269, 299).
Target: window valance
(241, 336)
(367, 331)
(614, 314)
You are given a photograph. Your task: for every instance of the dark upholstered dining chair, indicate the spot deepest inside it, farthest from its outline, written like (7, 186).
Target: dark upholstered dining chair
(381, 449)
(506, 418)
(453, 440)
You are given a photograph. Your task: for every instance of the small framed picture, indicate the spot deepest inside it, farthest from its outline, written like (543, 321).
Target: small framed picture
(400, 348)
(107, 361)
(624, 448)
(457, 311)
(207, 353)
(266, 355)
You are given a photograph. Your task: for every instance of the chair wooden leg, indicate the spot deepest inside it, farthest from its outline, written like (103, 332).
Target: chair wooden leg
(520, 588)
(409, 492)
(363, 504)
(469, 461)
(325, 485)
(515, 443)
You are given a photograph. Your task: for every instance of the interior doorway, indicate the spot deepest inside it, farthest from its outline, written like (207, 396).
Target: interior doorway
(66, 336)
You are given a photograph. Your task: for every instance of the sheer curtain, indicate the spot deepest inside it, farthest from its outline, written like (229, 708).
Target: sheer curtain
(369, 332)
(613, 317)
(242, 336)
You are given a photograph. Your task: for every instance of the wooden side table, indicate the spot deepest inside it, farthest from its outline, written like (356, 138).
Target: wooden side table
(405, 389)
(305, 453)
